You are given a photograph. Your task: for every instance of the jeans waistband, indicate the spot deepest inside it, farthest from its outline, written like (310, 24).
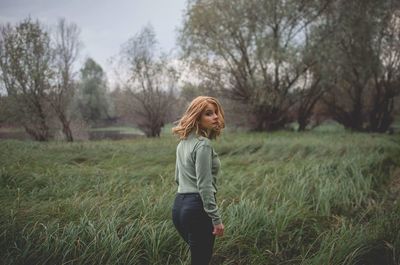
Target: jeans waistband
(192, 194)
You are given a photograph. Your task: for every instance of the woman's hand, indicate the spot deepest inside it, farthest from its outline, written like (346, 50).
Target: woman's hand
(218, 230)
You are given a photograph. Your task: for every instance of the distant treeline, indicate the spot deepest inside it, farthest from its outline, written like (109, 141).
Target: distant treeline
(271, 63)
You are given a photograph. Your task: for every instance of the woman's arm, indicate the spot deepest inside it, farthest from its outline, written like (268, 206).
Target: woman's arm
(204, 176)
(176, 172)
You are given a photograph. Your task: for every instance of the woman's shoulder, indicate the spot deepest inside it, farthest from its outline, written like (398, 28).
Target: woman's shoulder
(195, 141)
(202, 141)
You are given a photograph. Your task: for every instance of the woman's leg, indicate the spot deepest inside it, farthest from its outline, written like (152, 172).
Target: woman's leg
(194, 226)
(176, 217)
(201, 240)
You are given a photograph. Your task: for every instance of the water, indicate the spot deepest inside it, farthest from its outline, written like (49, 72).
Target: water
(19, 135)
(111, 135)
(90, 135)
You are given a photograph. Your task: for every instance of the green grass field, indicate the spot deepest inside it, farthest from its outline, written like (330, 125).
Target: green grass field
(320, 197)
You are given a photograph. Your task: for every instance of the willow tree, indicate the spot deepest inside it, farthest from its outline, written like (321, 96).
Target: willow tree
(252, 51)
(365, 63)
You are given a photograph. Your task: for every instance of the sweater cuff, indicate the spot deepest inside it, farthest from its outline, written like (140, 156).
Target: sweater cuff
(217, 221)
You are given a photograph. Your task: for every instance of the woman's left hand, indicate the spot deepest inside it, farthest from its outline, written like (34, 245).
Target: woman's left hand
(219, 230)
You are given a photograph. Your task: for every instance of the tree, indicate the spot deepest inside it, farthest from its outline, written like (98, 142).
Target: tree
(252, 51)
(66, 48)
(365, 60)
(92, 94)
(151, 81)
(26, 71)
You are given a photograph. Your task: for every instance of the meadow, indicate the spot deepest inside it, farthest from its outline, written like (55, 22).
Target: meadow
(320, 197)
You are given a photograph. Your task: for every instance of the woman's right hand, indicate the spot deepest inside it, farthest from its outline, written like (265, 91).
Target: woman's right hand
(218, 230)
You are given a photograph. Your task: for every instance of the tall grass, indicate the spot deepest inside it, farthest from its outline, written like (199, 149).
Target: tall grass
(285, 198)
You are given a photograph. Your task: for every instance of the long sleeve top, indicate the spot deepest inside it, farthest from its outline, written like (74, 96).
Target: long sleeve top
(197, 166)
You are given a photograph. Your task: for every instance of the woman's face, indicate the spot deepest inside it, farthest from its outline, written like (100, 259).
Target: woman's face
(209, 118)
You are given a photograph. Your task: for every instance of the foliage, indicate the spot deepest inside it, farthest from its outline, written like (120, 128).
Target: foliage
(36, 70)
(363, 60)
(26, 71)
(91, 98)
(254, 52)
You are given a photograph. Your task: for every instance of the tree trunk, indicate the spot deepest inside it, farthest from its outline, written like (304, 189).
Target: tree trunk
(303, 122)
(66, 127)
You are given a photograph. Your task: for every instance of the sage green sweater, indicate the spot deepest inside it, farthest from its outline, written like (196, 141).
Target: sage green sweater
(197, 165)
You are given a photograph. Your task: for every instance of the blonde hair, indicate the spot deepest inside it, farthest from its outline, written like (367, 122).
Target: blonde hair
(190, 119)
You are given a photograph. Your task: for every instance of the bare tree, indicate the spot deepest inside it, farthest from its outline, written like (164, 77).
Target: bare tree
(251, 51)
(66, 48)
(151, 81)
(25, 65)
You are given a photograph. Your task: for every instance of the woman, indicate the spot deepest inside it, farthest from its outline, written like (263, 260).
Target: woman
(195, 213)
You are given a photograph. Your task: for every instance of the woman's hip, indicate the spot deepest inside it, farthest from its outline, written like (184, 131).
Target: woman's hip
(188, 202)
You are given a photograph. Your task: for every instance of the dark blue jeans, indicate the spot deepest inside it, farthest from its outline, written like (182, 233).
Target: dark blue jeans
(194, 226)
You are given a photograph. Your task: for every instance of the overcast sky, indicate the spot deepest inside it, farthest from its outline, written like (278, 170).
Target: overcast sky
(105, 24)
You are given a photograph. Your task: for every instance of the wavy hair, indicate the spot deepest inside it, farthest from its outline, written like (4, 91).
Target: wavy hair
(191, 117)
